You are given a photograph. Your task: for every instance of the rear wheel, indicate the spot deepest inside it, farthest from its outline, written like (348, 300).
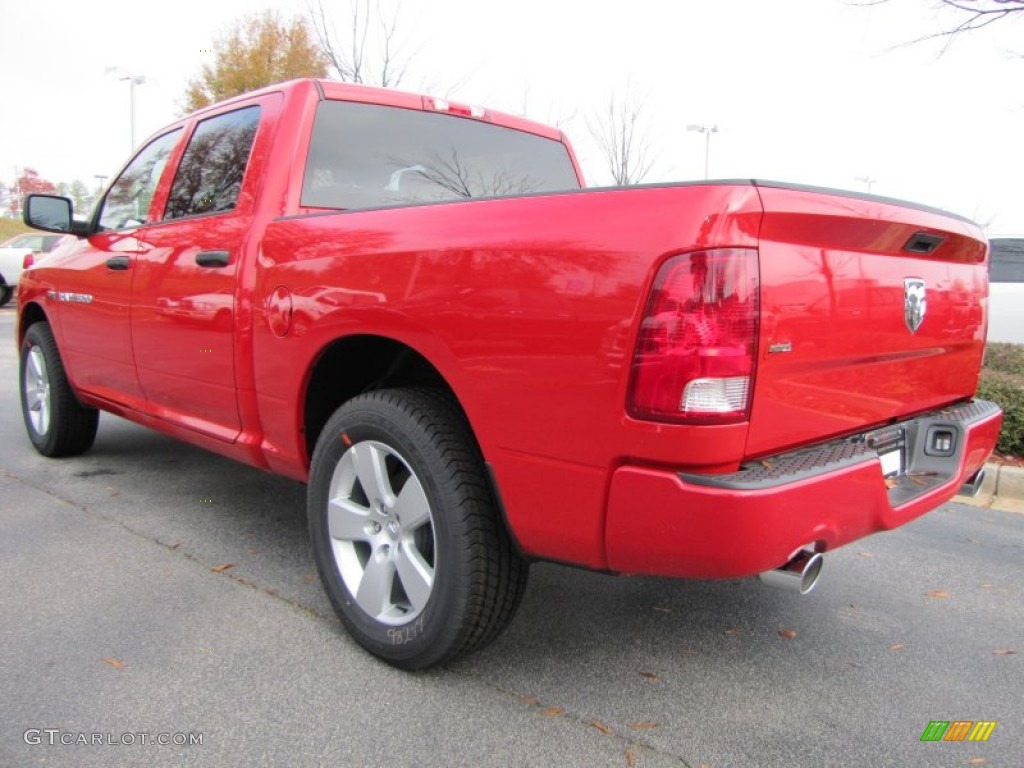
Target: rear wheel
(57, 424)
(6, 292)
(405, 529)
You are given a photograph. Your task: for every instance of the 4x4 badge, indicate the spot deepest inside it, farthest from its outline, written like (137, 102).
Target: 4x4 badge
(914, 302)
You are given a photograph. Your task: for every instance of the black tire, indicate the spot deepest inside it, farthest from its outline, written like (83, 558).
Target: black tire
(415, 440)
(69, 428)
(6, 292)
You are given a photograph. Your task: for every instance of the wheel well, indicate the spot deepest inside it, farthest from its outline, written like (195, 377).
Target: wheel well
(358, 364)
(31, 314)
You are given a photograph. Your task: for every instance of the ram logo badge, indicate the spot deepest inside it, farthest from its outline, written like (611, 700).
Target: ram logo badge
(914, 302)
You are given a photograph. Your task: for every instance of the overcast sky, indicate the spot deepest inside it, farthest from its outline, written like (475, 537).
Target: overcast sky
(809, 91)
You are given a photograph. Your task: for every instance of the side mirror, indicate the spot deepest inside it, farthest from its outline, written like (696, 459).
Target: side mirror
(52, 214)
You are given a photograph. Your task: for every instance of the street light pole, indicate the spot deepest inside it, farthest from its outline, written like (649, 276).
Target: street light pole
(133, 80)
(707, 130)
(868, 182)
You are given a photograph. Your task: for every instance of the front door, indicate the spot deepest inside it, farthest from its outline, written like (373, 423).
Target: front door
(92, 286)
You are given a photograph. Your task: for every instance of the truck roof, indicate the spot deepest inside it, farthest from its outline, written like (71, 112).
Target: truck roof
(339, 91)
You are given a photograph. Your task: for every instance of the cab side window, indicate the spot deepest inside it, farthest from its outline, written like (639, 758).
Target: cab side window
(127, 202)
(209, 178)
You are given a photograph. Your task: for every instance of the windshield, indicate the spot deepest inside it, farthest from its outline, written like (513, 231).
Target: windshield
(34, 242)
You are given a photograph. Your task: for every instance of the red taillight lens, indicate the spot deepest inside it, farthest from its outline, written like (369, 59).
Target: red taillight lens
(695, 354)
(28, 261)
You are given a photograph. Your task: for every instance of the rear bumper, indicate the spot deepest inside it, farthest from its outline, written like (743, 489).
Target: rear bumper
(729, 526)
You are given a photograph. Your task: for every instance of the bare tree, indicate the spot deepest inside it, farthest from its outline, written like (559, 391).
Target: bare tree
(977, 14)
(981, 13)
(369, 48)
(619, 130)
(450, 177)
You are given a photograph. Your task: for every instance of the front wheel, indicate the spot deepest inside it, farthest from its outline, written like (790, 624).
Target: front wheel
(57, 424)
(406, 532)
(6, 292)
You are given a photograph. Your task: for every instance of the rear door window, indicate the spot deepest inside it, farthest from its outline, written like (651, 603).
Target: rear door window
(209, 178)
(1006, 260)
(367, 156)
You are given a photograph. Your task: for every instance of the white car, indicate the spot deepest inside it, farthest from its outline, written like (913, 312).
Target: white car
(1006, 289)
(12, 258)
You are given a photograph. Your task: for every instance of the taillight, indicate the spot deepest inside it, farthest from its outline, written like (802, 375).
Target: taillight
(696, 350)
(28, 261)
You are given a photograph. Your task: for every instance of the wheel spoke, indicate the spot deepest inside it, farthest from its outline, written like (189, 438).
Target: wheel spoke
(372, 472)
(37, 390)
(374, 593)
(346, 520)
(36, 364)
(416, 576)
(411, 506)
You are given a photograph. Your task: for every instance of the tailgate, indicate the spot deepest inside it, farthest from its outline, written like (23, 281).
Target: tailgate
(871, 310)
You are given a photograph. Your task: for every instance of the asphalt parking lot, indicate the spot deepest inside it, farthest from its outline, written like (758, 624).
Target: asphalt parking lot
(150, 589)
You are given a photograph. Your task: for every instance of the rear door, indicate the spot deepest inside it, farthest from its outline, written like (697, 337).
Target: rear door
(184, 314)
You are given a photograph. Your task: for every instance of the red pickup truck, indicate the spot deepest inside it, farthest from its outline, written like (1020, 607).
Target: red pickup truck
(412, 306)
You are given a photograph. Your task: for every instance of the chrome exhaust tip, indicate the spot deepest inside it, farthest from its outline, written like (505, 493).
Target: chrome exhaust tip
(798, 575)
(972, 486)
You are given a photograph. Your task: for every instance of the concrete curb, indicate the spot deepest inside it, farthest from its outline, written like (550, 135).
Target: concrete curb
(1003, 489)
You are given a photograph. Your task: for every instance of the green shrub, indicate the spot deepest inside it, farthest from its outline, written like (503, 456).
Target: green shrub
(1006, 358)
(1006, 389)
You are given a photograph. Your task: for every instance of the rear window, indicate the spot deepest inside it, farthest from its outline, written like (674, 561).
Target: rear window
(367, 156)
(1006, 260)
